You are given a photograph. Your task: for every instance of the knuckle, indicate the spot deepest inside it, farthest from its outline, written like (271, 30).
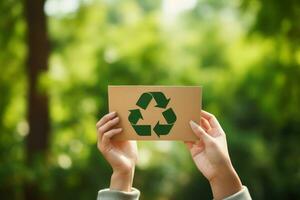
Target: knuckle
(101, 129)
(105, 117)
(98, 125)
(104, 136)
(108, 133)
(110, 122)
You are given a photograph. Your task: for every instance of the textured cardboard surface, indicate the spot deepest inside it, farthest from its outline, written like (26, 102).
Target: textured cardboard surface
(185, 101)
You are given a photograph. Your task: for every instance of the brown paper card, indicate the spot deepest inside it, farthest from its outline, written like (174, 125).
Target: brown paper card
(156, 112)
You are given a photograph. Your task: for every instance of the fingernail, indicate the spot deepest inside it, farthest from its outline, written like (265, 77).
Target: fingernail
(117, 119)
(113, 112)
(193, 125)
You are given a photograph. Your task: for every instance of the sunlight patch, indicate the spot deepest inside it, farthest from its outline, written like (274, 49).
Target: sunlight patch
(64, 161)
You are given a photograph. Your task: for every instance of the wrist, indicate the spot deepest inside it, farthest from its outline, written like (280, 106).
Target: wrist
(226, 183)
(122, 180)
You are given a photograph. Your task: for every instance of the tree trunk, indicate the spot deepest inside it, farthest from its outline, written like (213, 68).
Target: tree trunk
(37, 141)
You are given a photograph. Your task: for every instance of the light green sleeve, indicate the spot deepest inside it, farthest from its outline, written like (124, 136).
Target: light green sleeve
(241, 195)
(108, 194)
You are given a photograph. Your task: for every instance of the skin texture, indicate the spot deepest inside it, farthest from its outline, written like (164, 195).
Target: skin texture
(209, 153)
(121, 155)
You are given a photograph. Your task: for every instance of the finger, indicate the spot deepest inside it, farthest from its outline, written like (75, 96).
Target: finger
(108, 125)
(106, 138)
(211, 119)
(106, 118)
(199, 132)
(205, 124)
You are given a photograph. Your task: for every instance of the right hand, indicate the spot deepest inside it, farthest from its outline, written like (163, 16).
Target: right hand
(211, 157)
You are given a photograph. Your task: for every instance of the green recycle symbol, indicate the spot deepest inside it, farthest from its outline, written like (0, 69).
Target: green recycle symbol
(161, 102)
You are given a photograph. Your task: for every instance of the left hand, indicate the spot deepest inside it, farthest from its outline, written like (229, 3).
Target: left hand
(121, 155)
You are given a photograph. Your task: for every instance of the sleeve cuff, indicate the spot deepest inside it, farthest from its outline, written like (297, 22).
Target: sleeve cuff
(243, 194)
(108, 194)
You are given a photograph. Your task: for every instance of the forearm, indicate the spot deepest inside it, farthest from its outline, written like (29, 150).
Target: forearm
(226, 183)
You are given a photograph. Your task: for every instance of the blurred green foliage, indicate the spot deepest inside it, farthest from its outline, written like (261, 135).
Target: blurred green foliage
(245, 54)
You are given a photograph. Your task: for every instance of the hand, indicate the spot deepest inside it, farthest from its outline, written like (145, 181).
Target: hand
(211, 157)
(121, 155)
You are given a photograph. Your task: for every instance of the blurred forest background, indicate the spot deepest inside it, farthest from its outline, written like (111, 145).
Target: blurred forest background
(58, 56)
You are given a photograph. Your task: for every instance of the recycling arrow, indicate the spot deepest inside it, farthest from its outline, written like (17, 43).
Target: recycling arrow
(170, 116)
(161, 102)
(134, 116)
(160, 98)
(162, 129)
(142, 130)
(144, 100)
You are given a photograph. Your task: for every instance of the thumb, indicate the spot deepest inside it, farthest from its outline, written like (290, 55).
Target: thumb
(199, 132)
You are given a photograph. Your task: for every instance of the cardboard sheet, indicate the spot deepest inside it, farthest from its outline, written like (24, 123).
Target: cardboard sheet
(156, 112)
